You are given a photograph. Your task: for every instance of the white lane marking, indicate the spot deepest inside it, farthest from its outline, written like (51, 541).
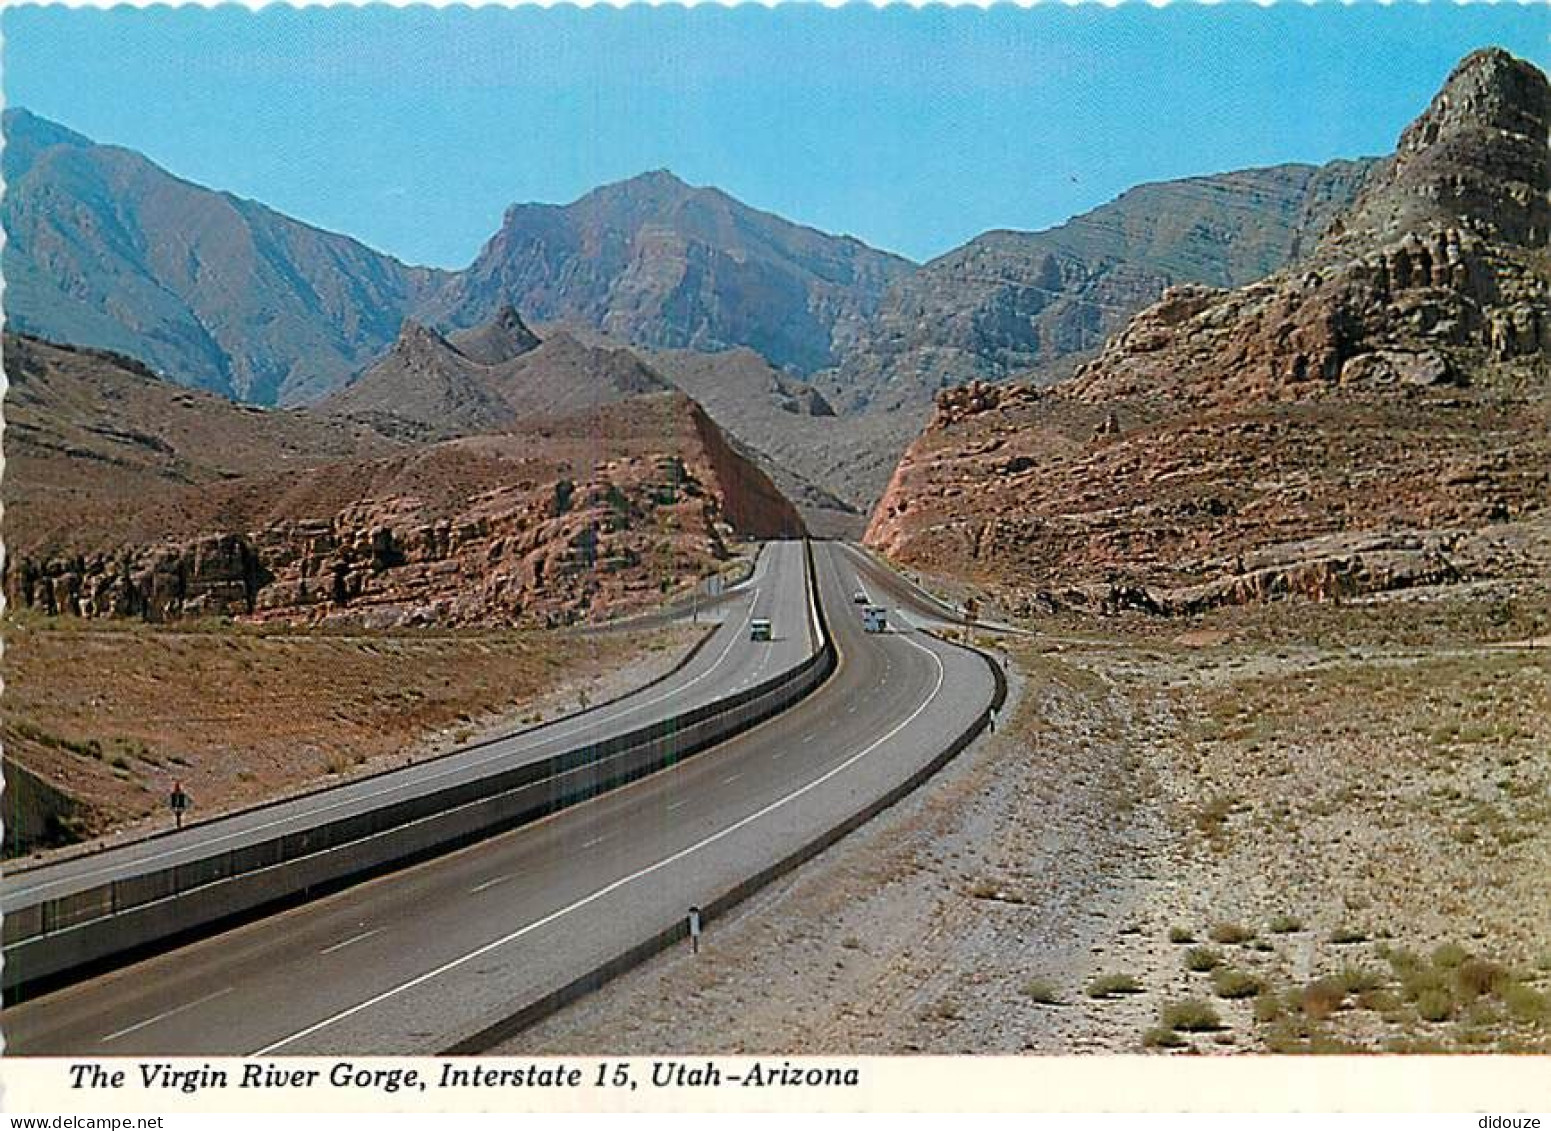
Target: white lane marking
(488, 884)
(596, 840)
(809, 739)
(163, 1016)
(420, 780)
(730, 780)
(623, 881)
(367, 935)
(678, 805)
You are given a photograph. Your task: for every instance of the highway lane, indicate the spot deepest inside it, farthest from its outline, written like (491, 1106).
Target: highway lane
(888, 588)
(726, 663)
(415, 961)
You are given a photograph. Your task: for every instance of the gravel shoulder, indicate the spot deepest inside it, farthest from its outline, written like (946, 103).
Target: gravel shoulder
(1316, 830)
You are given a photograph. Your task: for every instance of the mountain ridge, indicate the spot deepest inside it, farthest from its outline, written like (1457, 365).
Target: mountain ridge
(1009, 301)
(1367, 420)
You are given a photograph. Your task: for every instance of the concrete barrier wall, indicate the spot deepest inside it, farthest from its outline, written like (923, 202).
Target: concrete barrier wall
(48, 941)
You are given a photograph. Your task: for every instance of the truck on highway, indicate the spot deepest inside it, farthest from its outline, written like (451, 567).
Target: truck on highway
(875, 618)
(759, 629)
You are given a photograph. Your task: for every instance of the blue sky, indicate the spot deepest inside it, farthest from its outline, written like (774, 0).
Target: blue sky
(913, 129)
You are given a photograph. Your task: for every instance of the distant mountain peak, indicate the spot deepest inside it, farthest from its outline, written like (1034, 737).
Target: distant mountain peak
(416, 337)
(663, 177)
(18, 119)
(1475, 158)
(504, 337)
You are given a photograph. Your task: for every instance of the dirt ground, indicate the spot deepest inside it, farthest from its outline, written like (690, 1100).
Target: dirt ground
(1292, 829)
(112, 714)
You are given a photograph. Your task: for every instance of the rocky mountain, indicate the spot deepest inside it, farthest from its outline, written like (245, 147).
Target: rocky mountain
(1010, 301)
(91, 434)
(127, 496)
(656, 262)
(104, 248)
(821, 460)
(495, 378)
(1372, 418)
(503, 338)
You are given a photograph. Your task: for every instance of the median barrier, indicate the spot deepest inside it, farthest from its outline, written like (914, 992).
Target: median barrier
(56, 939)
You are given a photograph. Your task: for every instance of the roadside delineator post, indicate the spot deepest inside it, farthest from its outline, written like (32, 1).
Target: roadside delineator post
(694, 930)
(178, 802)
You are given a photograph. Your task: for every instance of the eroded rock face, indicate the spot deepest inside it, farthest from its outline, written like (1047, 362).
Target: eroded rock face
(218, 575)
(1395, 381)
(523, 546)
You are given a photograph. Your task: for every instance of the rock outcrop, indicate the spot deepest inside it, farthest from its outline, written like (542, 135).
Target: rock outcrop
(1391, 386)
(297, 517)
(472, 532)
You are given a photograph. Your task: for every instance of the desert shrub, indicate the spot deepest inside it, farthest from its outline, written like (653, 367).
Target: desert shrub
(1419, 980)
(1202, 959)
(1379, 1000)
(1161, 1038)
(1286, 925)
(1267, 1008)
(1526, 1005)
(1322, 997)
(1192, 1015)
(1346, 936)
(1449, 955)
(1233, 984)
(1360, 979)
(1477, 976)
(1108, 985)
(1230, 934)
(1042, 992)
(1435, 1005)
(1180, 935)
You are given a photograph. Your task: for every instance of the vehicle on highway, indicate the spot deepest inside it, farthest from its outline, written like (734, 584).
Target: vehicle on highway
(759, 629)
(875, 618)
(859, 597)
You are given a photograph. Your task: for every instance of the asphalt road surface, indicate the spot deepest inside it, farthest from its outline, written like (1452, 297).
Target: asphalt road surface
(727, 662)
(414, 961)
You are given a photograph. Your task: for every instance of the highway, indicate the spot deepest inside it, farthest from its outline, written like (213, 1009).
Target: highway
(725, 663)
(420, 960)
(888, 587)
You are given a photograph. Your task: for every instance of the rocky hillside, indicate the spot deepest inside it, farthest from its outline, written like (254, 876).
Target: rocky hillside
(89, 434)
(1373, 418)
(488, 379)
(656, 262)
(104, 248)
(113, 509)
(1010, 301)
(833, 465)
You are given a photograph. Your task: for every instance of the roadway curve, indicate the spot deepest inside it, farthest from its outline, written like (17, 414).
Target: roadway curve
(426, 958)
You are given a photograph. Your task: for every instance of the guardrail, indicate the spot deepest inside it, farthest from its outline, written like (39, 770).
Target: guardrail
(48, 941)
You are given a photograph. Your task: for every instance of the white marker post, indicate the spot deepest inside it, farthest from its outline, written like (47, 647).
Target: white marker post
(694, 930)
